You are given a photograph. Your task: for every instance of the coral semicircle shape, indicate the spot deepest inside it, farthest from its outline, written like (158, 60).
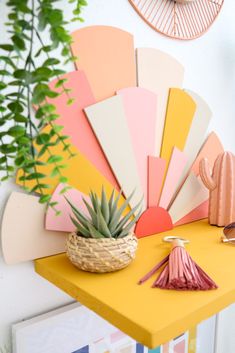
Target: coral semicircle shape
(152, 221)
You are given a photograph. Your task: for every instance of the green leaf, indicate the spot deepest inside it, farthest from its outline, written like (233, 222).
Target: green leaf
(42, 139)
(34, 176)
(55, 172)
(117, 212)
(83, 231)
(104, 206)
(70, 101)
(23, 75)
(54, 159)
(63, 179)
(51, 62)
(102, 225)
(91, 212)
(8, 61)
(2, 86)
(19, 118)
(19, 42)
(6, 47)
(3, 160)
(16, 131)
(127, 229)
(48, 108)
(94, 232)
(52, 94)
(60, 82)
(5, 73)
(19, 161)
(15, 107)
(45, 198)
(126, 218)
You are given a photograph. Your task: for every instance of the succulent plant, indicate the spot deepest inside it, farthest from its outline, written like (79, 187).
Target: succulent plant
(105, 218)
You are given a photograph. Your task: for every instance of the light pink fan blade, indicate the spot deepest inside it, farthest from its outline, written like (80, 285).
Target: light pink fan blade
(76, 124)
(107, 56)
(210, 150)
(156, 171)
(140, 106)
(198, 213)
(176, 167)
(63, 222)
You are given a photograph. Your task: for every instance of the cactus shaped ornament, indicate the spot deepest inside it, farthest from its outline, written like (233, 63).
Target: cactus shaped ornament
(222, 188)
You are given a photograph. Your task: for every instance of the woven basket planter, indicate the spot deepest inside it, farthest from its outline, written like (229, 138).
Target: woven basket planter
(101, 255)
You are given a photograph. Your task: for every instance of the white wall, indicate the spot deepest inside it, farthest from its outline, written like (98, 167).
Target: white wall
(210, 71)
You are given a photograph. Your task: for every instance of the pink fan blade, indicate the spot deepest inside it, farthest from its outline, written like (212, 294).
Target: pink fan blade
(63, 222)
(210, 150)
(198, 213)
(107, 56)
(176, 167)
(140, 106)
(156, 171)
(75, 122)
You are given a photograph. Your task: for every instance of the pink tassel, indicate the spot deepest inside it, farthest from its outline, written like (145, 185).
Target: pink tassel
(180, 272)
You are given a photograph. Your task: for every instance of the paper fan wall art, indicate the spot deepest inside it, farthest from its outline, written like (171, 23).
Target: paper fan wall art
(179, 19)
(138, 131)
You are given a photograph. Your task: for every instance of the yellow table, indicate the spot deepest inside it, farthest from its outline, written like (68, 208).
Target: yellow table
(151, 316)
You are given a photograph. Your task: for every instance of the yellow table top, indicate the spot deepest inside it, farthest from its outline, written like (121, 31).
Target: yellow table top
(152, 316)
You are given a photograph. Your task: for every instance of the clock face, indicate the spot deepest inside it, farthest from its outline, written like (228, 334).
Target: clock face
(179, 19)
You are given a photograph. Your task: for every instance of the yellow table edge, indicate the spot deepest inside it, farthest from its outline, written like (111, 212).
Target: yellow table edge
(150, 338)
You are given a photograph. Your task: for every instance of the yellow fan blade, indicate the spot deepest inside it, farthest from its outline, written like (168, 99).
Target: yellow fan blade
(80, 172)
(180, 112)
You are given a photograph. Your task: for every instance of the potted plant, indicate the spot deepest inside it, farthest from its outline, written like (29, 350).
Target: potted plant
(104, 240)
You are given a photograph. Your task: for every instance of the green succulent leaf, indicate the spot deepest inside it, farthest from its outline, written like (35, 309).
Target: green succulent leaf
(104, 206)
(94, 232)
(83, 231)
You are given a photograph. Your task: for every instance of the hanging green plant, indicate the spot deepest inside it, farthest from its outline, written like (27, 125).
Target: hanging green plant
(27, 65)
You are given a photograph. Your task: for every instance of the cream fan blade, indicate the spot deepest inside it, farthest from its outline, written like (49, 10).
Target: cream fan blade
(23, 235)
(140, 106)
(174, 172)
(63, 222)
(192, 194)
(111, 128)
(106, 54)
(180, 112)
(158, 71)
(196, 134)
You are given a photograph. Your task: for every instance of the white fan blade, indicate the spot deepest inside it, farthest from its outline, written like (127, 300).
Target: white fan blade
(158, 71)
(110, 126)
(192, 194)
(23, 235)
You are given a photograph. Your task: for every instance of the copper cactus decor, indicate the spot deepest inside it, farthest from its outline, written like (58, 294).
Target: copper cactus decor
(222, 188)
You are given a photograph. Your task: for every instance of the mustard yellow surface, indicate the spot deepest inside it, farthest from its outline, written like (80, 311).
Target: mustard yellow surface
(179, 116)
(151, 316)
(192, 340)
(80, 172)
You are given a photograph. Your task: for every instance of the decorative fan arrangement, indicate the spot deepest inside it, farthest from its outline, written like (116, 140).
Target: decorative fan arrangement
(179, 19)
(129, 128)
